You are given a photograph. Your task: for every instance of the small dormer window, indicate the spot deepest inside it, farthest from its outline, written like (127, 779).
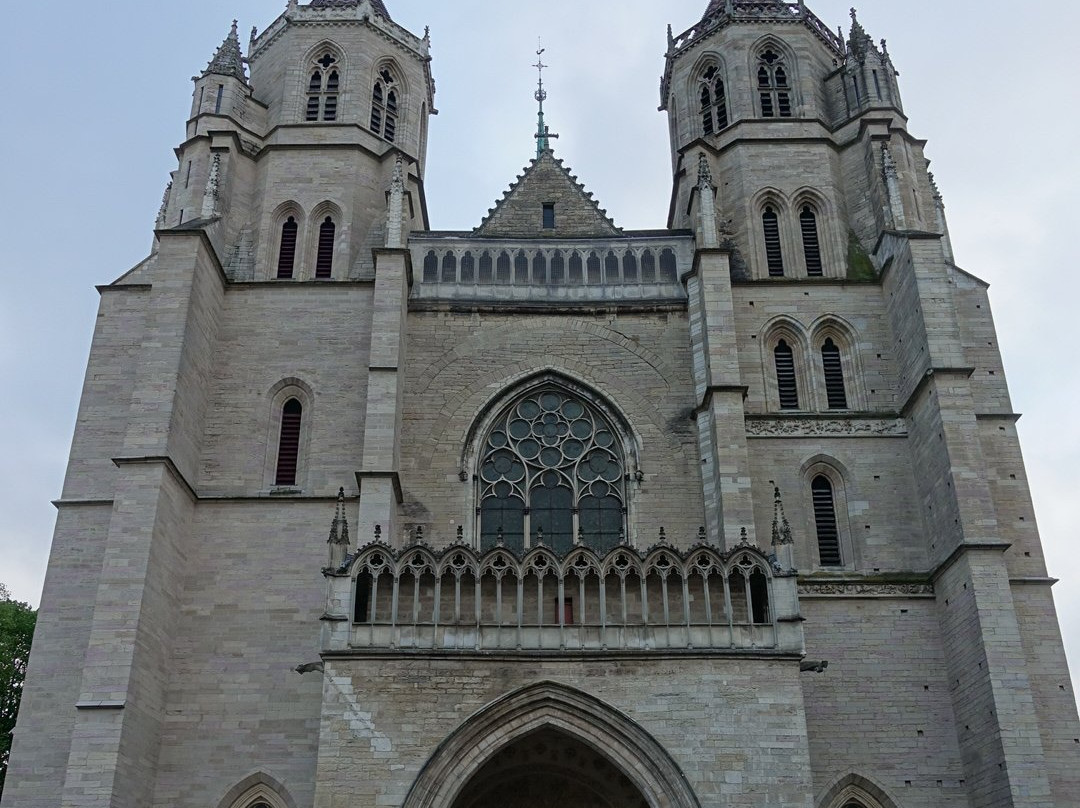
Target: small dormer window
(324, 84)
(549, 217)
(385, 99)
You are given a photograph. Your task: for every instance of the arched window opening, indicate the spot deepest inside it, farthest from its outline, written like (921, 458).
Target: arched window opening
(774, 254)
(774, 91)
(714, 115)
(384, 105)
(593, 267)
(468, 267)
(431, 267)
(324, 258)
(287, 248)
(611, 268)
(324, 85)
(828, 532)
(449, 268)
(786, 385)
(539, 269)
(558, 267)
(811, 244)
(759, 597)
(502, 268)
(485, 275)
(551, 470)
(835, 392)
(289, 443)
(629, 267)
(668, 268)
(648, 267)
(521, 268)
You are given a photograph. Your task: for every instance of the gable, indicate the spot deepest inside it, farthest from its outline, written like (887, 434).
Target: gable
(520, 213)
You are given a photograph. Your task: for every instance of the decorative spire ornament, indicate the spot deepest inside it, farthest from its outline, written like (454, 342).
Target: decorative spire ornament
(543, 133)
(228, 60)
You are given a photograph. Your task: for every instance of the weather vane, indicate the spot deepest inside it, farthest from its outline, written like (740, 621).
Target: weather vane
(542, 134)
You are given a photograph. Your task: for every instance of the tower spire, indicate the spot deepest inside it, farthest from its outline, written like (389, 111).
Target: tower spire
(543, 134)
(228, 60)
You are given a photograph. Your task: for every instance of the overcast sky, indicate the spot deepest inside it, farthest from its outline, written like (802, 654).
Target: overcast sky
(100, 92)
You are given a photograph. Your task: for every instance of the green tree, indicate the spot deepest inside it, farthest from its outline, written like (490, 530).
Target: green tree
(16, 633)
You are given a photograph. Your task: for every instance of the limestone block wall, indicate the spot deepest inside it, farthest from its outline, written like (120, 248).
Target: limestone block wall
(458, 363)
(234, 705)
(47, 713)
(383, 719)
(883, 708)
(314, 335)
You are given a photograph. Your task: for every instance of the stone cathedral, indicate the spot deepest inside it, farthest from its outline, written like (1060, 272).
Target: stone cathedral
(730, 513)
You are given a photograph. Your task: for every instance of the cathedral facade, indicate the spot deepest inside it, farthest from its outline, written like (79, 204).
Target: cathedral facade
(726, 514)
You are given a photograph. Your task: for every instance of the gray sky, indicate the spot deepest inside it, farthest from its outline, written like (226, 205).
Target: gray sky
(102, 91)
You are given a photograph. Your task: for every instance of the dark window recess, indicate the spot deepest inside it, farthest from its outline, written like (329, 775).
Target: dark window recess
(773, 86)
(759, 597)
(502, 517)
(449, 268)
(431, 267)
(648, 267)
(828, 534)
(468, 267)
(575, 276)
(289, 443)
(549, 217)
(539, 269)
(486, 275)
(220, 96)
(312, 108)
(558, 268)
(774, 255)
(550, 515)
(287, 249)
(502, 268)
(611, 268)
(720, 102)
(521, 267)
(330, 108)
(324, 259)
(786, 384)
(384, 106)
(362, 603)
(669, 272)
(834, 376)
(593, 269)
(811, 245)
(629, 267)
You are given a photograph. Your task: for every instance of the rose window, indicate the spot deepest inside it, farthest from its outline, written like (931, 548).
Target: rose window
(552, 470)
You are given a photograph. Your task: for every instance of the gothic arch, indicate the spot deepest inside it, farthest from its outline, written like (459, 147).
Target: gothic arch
(319, 214)
(832, 256)
(389, 93)
(692, 88)
(793, 333)
(858, 789)
(276, 398)
(256, 790)
(775, 199)
(839, 479)
(791, 64)
(308, 65)
(282, 213)
(844, 337)
(549, 705)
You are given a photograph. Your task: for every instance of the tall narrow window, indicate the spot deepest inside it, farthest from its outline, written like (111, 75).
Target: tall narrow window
(834, 376)
(324, 84)
(774, 254)
(549, 216)
(220, 97)
(324, 258)
(287, 248)
(714, 116)
(774, 91)
(786, 385)
(811, 245)
(828, 533)
(384, 105)
(289, 443)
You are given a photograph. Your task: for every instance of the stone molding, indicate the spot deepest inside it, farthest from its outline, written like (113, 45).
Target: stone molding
(811, 426)
(853, 589)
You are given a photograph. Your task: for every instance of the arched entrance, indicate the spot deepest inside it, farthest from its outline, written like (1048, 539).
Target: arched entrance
(550, 745)
(549, 769)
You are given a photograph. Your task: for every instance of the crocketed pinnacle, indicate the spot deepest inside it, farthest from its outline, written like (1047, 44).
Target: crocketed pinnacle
(377, 5)
(228, 61)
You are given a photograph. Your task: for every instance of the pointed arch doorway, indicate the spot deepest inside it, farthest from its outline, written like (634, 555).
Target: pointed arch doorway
(549, 769)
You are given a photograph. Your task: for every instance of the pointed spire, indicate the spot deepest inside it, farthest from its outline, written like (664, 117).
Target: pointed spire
(210, 207)
(543, 133)
(710, 238)
(860, 43)
(339, 534)
(781, 529)
(165, 206)
(395, 208)
(228, 60)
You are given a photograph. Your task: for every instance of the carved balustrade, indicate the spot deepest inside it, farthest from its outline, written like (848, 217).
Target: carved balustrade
(459, 599)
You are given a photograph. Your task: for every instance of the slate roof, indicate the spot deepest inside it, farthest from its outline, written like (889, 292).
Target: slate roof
(378, 5)
(546, 181)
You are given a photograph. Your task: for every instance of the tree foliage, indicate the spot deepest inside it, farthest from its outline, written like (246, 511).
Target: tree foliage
(16, 633)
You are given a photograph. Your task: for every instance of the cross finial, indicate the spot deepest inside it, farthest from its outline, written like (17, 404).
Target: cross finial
(542, 133)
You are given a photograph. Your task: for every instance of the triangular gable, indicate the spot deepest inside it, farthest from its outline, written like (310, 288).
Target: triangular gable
(520, 213)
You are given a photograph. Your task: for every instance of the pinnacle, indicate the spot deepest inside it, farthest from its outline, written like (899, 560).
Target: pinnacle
(228, 60)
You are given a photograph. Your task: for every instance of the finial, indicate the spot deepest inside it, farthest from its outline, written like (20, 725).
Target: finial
(670, 38)
(934, 188)
(419, 534)
(395, 206)
(781, 529)
(461, 534)
(234, 32)
(228, 60)
(701, 534)
(662, 537)
(378, 533)
(254, 35)
(427, 33)
(540, 536)
(500, 539)
(744, 537)
(210, 195)
(543, 134)
(165, 205)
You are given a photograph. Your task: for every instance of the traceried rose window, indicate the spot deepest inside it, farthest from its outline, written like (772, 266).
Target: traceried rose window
(552, 470)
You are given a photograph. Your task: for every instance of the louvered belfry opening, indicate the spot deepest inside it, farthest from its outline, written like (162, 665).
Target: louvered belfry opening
(828, 534)
(811, 245)
(289, 443)
(774, 255)
(785, 376)
(834, 376)
(324, 259)
(287, 250)
(714, 116)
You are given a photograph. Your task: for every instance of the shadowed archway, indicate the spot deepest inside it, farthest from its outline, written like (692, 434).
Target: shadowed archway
(573, 746)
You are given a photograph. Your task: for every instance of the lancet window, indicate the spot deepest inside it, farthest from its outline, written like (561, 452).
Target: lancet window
(825, 523)
(714, 114)
(324, 85)
(774, 89)
(385, 97)
(786, 384)
(811, 243)
(835, 390)
(552, 470)
(324, 257)
(774, 252)
(289, 443)
(287, 248)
